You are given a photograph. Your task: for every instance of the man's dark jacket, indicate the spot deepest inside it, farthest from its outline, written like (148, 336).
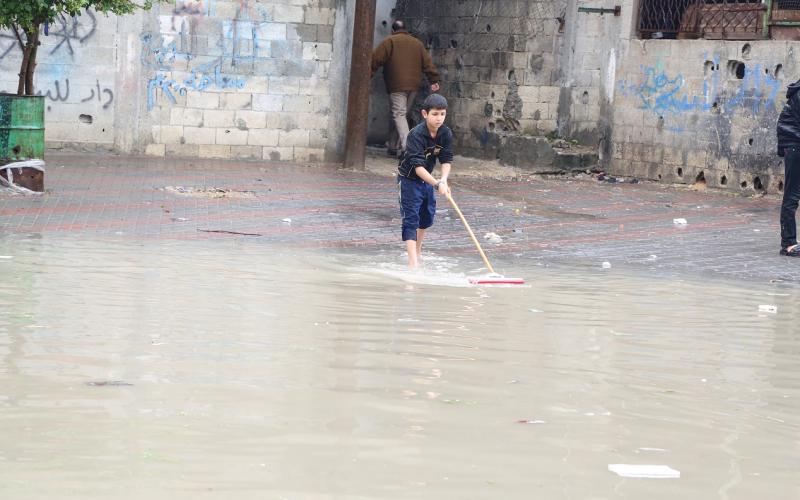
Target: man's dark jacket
(789, 121)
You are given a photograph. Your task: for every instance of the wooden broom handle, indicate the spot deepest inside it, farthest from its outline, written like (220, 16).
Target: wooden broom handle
(471, 234)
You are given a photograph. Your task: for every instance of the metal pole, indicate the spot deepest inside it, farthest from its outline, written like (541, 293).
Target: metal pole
(767, 19)
(355, 148)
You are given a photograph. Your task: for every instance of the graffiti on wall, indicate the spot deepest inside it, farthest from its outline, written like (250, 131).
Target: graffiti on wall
(745, 88)
(237, 45)
(59, 91)
(67, 32)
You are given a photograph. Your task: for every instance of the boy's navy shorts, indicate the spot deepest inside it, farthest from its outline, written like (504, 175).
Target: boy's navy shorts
(417, 205)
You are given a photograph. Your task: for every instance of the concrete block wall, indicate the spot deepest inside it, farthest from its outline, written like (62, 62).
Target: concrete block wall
(498, 62)
(691, 109)
(248, 79)
(77, 72)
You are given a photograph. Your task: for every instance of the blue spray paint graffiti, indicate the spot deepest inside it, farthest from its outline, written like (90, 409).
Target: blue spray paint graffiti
(666, 95)
(239, 46)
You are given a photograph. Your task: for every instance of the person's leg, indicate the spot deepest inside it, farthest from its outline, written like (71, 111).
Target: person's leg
(427, 212)
(410, 202)
(420, 237)
(791, 197)
(399, 110)
(410, 96)
(397, 106)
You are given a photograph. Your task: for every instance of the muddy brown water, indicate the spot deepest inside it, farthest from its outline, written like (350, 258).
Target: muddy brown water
(229, 369)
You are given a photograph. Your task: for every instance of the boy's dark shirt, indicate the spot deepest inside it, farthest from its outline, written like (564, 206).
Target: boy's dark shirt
(423, 150)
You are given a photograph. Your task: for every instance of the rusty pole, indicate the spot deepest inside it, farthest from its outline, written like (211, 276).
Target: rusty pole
(355, 148)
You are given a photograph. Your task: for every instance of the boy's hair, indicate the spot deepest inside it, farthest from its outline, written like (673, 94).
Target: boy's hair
(434, 101)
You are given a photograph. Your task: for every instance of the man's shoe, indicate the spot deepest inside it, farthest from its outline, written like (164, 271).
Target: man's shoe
(794, 252)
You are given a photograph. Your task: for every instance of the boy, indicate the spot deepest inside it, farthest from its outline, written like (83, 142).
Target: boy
(427, 142)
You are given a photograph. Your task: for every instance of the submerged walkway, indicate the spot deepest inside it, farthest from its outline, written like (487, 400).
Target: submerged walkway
(581, 221)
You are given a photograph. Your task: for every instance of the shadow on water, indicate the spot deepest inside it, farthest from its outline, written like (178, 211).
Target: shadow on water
(233, 369)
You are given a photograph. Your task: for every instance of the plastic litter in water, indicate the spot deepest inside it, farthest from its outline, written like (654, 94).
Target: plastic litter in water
(680, 222)
(286, 220)
(767, 308)
(531, 422)
(645, 471)
(606, 265)
(492, 238)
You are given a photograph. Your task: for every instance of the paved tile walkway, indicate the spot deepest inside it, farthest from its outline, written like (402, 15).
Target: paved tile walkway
(549, 220)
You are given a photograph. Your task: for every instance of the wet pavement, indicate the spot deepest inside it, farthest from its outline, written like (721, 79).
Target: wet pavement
(584, 222)
(227, 330)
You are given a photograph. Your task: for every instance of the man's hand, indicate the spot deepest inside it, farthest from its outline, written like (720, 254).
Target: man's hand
(434, 87)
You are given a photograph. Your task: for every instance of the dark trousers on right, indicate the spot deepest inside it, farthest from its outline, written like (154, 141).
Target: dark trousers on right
(791, 196)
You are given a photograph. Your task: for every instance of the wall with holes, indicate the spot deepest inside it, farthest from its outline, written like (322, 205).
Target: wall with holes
(694, 110)
(499, 65)
(198, 78)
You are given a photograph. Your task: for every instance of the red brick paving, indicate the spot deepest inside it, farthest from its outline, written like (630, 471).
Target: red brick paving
(561, 220)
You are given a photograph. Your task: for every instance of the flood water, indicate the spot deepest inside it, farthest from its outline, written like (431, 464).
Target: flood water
(230, 369)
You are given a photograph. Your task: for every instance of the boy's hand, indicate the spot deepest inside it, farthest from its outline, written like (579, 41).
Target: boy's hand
(444, 188)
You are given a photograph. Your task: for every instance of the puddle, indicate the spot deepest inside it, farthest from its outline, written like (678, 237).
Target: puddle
(229, 368)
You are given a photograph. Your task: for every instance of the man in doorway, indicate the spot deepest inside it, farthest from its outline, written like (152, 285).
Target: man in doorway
(404, 59)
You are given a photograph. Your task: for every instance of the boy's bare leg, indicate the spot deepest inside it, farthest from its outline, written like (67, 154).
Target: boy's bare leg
(420, 237)
(411, 248)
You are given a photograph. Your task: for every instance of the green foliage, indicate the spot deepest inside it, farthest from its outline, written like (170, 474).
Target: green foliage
(28, 15)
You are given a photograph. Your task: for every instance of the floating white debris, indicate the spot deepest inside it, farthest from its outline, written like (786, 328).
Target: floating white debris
(767, 308)
(492, 238)
(645, 471)
(680, 222)
(6, 257)
(606, 265)
(286, 220)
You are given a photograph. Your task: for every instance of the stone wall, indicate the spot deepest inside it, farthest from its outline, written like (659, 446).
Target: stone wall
(201, 78)
(498, 61)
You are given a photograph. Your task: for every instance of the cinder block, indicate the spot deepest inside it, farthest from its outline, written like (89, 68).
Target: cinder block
(293, 138)
(155, 150)
(171, 134)
(199, 135)
(215, 118)
(319, 16)
(236, 101)
(232, 136)
(318, 139)
(262, 137)
(287, 14)
(263, 102)
(182, 150)
(250, 119)
(271, 31)
(214, 151)
(278, 154)
(284, 85)
(246, 152)
(202, 99)
(317, 51)
(309, 154)
(298, 103)
(186, 116)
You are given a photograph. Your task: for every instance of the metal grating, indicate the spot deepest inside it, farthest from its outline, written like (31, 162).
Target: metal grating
(710, 19)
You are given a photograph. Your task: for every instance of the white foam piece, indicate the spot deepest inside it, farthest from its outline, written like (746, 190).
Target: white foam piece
(645, 471)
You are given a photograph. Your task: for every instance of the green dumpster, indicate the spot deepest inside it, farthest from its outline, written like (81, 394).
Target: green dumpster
(21, 128)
